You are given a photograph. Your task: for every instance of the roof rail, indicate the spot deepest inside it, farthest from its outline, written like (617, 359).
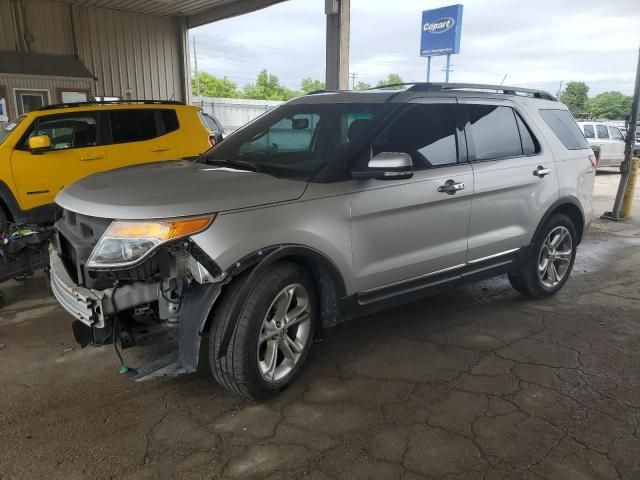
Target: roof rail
(316, 92)
(439, 87)
(110, 102)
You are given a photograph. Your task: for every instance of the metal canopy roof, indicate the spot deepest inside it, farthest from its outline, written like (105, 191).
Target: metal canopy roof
(197, 12)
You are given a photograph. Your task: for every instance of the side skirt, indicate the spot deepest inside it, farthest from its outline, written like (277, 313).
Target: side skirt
(371, 301)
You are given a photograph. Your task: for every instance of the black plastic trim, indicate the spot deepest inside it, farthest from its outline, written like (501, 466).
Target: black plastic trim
(261, 260)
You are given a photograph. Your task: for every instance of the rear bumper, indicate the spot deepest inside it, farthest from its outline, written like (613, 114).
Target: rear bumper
(92, 306)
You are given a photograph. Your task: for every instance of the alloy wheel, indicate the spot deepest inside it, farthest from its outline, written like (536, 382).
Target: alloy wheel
(555, 257)
(284, 333)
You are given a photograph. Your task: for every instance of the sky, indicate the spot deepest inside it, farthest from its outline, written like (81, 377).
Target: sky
(536, 43)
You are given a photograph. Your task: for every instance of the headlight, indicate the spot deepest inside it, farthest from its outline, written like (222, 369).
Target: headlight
(127, 242)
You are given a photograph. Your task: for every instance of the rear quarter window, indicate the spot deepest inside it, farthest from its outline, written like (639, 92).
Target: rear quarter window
(564, 128)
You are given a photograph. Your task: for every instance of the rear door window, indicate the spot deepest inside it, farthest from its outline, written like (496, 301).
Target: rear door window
(133, 125)
(494, 132)
(615, 133)
(564, 128)
(602, 131)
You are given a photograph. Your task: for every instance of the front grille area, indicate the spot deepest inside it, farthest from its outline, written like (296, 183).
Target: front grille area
(76, 236)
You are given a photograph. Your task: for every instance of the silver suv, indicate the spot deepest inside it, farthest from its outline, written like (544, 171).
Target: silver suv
(334, 205)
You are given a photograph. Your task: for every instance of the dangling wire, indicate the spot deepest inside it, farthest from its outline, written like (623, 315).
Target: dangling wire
(115, 333)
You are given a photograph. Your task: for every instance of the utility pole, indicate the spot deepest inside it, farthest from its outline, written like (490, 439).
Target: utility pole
(628, 149)
(353, 80)
(195, 62)
(560, 89)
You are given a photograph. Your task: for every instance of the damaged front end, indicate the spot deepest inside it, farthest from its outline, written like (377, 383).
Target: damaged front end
(161, 293)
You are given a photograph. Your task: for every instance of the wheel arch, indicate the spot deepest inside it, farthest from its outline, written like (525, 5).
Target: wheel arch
(568, 206)
(329, 282)
(8, 202)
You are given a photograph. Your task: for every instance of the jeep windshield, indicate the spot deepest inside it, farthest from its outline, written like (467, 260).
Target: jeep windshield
(297, 140)
(7, 129)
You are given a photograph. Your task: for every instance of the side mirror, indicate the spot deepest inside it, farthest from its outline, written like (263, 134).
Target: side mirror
(387, 166)
(39, 144)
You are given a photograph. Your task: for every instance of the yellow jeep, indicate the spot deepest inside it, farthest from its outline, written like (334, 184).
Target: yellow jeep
(50, 148)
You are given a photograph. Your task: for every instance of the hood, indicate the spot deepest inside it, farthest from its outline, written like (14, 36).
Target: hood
(174, 189)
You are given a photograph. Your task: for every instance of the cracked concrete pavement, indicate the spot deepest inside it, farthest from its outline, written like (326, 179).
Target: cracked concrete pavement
(477, 383)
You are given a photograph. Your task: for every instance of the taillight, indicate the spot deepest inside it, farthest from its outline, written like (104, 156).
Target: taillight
(593, 160)
(212, 140)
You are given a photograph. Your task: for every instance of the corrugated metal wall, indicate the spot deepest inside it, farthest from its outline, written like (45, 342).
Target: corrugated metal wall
(132, 52)
(7, 30)
(125, 51)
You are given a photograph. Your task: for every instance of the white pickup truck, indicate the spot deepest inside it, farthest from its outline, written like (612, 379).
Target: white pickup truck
(608, 140)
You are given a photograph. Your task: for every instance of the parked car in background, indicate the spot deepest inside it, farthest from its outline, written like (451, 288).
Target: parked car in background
(607, 141)
(50, 148)
(331, 206)
(217, 132)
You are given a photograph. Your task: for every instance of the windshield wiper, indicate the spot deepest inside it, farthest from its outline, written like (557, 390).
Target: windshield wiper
(237, 164)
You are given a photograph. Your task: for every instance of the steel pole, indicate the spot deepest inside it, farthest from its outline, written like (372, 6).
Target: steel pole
(446, 77)
(628, 149)
(428, 69)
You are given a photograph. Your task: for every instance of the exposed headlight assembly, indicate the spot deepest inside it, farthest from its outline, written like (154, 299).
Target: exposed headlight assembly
(125, 242)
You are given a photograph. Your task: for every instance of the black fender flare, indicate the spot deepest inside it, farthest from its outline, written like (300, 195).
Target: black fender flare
(9, 201)
(259, 262)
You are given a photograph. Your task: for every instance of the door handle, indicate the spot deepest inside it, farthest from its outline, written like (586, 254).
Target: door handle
(451, 187)
(91, 158)
(159, 148)
(541, 171)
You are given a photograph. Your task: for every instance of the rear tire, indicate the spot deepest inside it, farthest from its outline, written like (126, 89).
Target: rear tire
(550, 261)
(516, 283)
(272, 335)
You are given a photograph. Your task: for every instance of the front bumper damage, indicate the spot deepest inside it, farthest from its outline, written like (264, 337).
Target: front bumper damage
(176, 324)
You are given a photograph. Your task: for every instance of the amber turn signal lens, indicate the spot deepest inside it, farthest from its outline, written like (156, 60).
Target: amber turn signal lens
(162, 230)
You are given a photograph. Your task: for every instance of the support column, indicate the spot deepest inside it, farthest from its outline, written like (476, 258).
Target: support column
(185, 65)
(337, 62)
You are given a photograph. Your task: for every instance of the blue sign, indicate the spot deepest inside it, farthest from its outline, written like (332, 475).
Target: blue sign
(441, 29)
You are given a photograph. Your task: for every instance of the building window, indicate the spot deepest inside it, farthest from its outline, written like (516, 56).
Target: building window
(73, 96)
(29, 100)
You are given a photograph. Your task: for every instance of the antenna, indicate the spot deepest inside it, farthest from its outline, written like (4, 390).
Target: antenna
(502, 82)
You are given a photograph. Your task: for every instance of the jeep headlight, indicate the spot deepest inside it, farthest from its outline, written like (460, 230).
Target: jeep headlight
(125, 242)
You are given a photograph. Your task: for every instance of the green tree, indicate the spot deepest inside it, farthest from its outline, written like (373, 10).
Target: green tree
(208, 85)
(267, 87)
(611, 105)
(392, 79)
(363, 86)
(576, 98)
(309, 85)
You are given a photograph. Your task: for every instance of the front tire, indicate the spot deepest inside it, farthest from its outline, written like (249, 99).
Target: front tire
(272, 335)
(550, 261)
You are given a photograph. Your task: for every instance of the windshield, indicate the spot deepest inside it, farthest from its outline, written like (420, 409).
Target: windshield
(7, 129)
(299, 139)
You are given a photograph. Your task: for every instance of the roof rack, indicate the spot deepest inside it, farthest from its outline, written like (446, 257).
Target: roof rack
(440, 87)
(110, 102)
